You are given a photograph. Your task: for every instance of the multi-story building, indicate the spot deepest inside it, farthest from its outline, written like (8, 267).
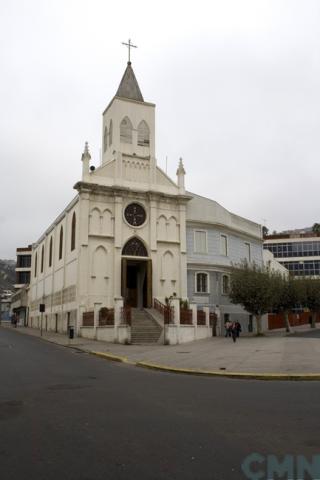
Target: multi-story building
(217, 240)
(23, 266)
(298, 251)
(19, 300)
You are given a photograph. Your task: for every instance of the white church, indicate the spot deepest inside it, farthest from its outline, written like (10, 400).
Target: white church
(134, 258)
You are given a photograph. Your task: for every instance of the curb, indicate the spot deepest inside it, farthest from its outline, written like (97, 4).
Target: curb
(189, 371)
(45, 339)
(111, 357)
(236, 375)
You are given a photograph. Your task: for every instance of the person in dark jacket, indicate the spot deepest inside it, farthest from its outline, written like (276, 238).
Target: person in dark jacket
(234, 331)
(238, 328)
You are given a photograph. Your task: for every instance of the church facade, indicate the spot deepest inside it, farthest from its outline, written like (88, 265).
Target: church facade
(133, 239)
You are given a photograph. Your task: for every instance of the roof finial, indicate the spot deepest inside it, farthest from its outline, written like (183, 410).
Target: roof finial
(181, 170)
(180, 174)
(129, 45)
(86, 153)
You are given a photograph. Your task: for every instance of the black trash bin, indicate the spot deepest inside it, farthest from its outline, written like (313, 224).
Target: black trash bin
(71, 332)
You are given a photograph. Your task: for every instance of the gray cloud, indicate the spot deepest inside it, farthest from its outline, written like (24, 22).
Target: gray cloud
(236, 88)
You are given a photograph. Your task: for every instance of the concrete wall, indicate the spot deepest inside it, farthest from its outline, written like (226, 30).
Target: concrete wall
(177, 334)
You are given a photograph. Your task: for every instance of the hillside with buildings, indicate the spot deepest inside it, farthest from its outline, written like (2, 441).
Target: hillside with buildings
(7, 275)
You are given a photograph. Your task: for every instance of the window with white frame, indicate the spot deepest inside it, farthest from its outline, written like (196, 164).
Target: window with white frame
(224, 245)
(202, 282)
(225, 284)
(200, 241)
(248, 251)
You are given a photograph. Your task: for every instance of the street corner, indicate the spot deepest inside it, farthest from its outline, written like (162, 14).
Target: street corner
(111, 357)
(274, 376)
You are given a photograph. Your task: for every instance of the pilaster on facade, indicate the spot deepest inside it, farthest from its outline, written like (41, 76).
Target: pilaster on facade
(183, 228)
(183, 276)
(117, 272)
(84, 207)
(153, 225)
(118, 168)
(118, 206)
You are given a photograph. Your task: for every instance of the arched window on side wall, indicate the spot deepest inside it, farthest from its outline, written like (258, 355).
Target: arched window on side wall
(202, 282)
(225, 284)
(73, 232)
(126, 131)
(35, 264)
(110, 132)
(42, 258)
(50, 252)
(105, 139)
(60, 243)
(143, 134)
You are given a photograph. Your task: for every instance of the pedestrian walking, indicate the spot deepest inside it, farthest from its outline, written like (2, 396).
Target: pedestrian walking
(233, 332)
(227, 326)
(14, 320)
(238, 328)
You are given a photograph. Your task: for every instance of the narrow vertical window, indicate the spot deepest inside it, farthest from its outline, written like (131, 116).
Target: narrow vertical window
(248, 251)
(110, 132)
(126, 131)
(143, 134)
(225, 285)
(73, 232)
(105, 139)
(42, 258)
(200, 241)
(202, 283)
(50, 253)
(35, 265)
(224, 245)
(60, 243)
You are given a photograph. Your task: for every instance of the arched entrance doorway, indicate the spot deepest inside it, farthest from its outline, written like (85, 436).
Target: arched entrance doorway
(136, 275)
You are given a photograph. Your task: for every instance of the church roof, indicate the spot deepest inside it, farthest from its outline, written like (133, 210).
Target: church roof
(129, 87)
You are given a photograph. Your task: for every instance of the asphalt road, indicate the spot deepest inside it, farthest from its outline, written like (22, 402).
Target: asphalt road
(69, 415)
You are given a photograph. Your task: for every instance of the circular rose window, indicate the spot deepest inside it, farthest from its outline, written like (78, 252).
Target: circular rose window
(135, 214)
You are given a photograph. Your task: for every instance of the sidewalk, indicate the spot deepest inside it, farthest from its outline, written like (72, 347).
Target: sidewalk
(272, 354)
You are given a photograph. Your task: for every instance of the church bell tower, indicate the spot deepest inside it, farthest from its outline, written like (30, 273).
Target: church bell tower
(128, 132)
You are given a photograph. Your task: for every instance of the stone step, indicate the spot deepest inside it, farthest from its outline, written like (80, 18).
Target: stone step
(147, 338)
(144, 329)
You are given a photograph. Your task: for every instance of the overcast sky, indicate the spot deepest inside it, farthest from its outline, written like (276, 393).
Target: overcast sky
(237, 89)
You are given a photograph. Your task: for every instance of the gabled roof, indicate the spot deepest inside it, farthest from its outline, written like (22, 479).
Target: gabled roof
(129, 87)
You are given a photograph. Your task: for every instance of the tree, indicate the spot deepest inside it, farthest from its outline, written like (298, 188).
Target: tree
(316, 228)
(254, 288)
(288, 295)
(311, 297)
(265, 231)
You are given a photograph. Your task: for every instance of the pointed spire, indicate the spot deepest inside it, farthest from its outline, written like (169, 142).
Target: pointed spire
(181, 170)
(129, 87)
(86, 153)
(180, 174)
(85, 158)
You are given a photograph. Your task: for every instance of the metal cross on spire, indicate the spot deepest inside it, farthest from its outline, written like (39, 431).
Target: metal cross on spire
(129, 45)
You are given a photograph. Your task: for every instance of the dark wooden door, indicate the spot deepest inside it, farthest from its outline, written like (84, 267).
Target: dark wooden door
(149, 283)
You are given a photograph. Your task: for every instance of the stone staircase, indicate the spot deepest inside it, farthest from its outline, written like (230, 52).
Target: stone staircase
(144, 329)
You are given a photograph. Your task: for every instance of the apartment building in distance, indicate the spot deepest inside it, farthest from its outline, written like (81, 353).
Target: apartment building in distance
(297, 250)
